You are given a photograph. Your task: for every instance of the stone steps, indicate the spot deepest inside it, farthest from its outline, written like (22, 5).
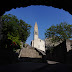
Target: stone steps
(29, 52)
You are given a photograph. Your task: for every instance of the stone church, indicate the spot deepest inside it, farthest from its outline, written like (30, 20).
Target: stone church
(37, 42)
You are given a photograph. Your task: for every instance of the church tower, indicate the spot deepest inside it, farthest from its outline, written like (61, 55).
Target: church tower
(37, 42)
(35, 31)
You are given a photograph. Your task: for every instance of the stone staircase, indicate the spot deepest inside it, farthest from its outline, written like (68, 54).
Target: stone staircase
(29, 52)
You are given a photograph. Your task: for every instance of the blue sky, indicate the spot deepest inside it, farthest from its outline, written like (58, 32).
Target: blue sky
(45, 16)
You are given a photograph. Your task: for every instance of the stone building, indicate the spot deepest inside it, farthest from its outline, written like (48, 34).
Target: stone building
(68, 44)
(49, 44)
(37, 43)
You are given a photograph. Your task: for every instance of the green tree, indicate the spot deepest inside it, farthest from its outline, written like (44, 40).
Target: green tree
(60, 32)
(14, 29)
(24, 30)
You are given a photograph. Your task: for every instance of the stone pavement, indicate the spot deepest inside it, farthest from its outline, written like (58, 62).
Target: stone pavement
(22, 67)
(51, 62)
(55, 67)
(36, 67)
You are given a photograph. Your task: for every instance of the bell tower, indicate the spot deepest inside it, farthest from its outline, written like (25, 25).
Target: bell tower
(37, 42)
(35, 31)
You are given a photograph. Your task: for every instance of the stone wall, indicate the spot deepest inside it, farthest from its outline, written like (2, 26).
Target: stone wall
(21, 44)
(49, 44)
(29, 52)
(68, 44)
(59, 53)
(61, 4)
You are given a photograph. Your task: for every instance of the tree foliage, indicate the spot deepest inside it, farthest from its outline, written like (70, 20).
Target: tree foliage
(14, 29)
(59, 32)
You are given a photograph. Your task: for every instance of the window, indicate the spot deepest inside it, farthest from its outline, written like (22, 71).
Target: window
(35, 32)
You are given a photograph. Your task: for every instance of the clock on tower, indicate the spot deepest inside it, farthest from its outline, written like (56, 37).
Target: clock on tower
(36, 33)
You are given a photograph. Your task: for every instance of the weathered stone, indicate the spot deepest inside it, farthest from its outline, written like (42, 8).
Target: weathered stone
(68, 44)
(21, 44)
(29, 52)
(49, 44)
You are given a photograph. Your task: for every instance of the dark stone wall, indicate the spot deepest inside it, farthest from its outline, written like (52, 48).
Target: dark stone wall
(69, 57)
(28, 59)
(59, 53)
(9, 4)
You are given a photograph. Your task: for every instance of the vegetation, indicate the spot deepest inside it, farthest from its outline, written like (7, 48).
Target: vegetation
(14, 29)
(60, 32)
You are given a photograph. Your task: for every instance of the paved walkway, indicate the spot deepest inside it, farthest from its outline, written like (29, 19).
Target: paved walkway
(36, 67)
(55, 67)
(51, 62)
(22, 67)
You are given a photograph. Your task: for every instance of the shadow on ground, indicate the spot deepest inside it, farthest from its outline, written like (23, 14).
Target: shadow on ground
(58, 67)
(8, 57)
(35, 60)
(36, 67)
